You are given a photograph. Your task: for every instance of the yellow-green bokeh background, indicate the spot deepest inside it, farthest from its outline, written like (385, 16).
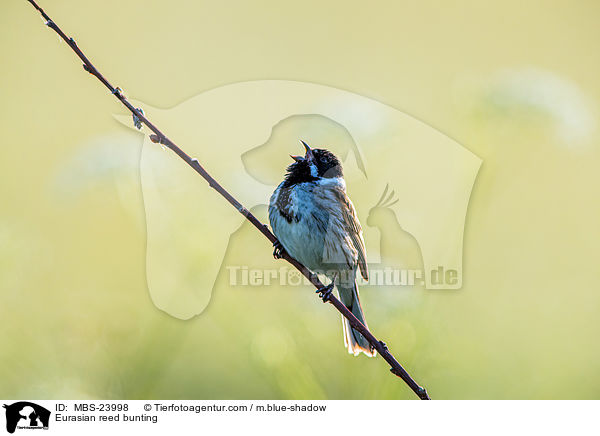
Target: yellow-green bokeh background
(76, 317)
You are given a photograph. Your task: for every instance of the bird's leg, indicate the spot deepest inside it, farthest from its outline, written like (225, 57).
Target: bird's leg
(325, 291)
(278, 250)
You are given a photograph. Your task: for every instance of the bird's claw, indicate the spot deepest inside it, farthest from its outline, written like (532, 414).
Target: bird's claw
(325, 292)
(383, 345)
(278, 250)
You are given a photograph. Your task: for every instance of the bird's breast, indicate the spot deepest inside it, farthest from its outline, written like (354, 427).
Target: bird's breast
(305, 222)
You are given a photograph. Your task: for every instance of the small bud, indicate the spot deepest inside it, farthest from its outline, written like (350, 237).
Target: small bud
(158, 140)
(119, 92)
(136, 121)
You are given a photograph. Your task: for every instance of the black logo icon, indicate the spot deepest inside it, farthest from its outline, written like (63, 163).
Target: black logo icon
(26, 415)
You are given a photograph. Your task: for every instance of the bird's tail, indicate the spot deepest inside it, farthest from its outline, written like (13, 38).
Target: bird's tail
(354, 341)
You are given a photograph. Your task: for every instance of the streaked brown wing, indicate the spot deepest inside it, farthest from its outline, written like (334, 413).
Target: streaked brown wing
(354, 231)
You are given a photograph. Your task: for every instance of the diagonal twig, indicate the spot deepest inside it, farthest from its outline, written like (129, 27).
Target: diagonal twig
(159, 137)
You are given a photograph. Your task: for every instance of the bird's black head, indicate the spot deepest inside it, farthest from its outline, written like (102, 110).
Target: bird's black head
(315, 164)
(328, 165)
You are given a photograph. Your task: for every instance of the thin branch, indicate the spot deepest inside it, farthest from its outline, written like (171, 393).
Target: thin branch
(161, 138)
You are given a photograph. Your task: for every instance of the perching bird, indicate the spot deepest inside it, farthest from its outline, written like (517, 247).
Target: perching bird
(316, 224)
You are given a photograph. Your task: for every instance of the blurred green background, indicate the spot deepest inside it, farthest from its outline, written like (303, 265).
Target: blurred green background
(514, 82)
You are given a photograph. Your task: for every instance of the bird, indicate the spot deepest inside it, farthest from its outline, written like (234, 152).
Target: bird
(316, 223)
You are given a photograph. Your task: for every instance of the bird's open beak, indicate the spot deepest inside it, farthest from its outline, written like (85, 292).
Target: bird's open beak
(309, 154)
